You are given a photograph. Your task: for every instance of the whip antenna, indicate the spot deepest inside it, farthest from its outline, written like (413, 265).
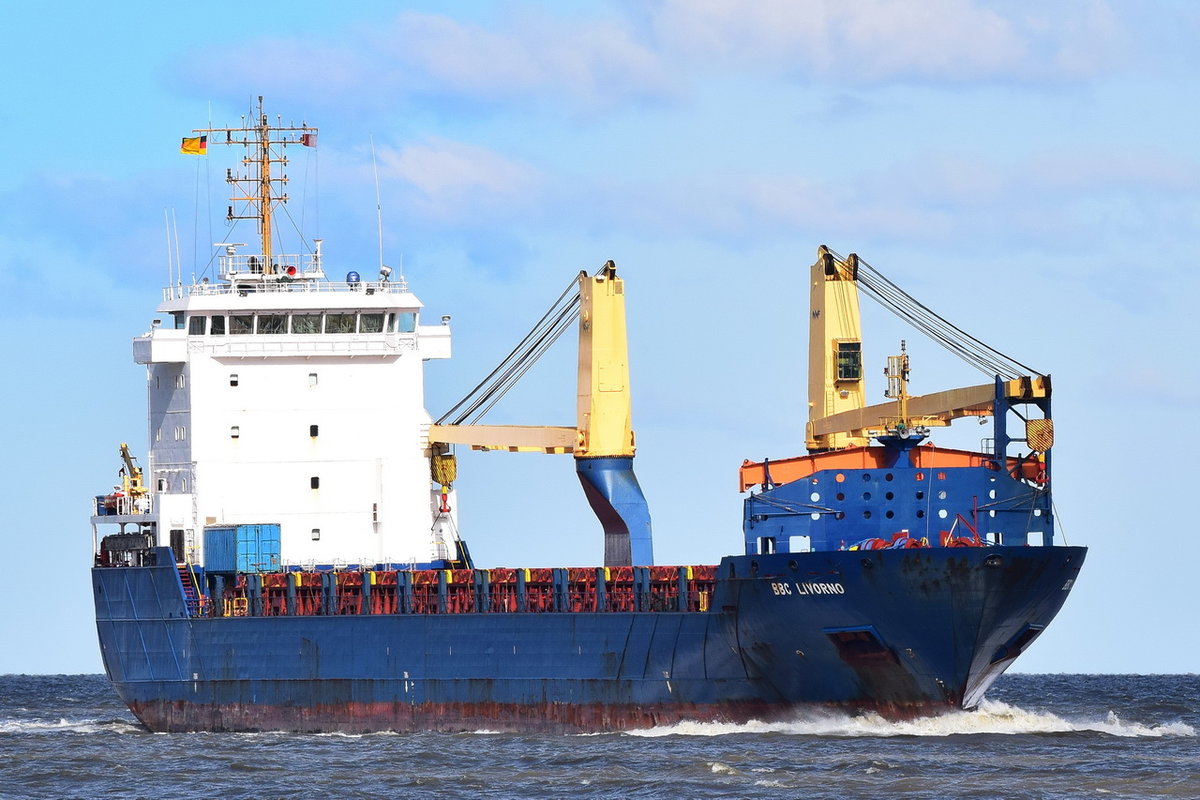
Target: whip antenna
(378, 203)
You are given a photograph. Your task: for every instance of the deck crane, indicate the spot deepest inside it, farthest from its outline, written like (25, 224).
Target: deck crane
(131, 475)
(839, 420)
(602, 439)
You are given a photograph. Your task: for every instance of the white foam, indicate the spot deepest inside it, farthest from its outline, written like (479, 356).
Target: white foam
(992, 717)
(63, 725)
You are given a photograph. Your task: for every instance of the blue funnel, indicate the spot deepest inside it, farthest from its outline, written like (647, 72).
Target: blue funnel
(614, 494)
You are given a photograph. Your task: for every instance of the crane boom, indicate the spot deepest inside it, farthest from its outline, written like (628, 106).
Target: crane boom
(602, 440)
(836, 383)
(838, 418)
(131, 476)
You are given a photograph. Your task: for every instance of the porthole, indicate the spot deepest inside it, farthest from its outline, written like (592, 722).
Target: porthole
(920, 513)
(866, 476)
(839, 477)
(815, 496)
(866, 515)
(841, 496)
(890, 514)
(814, 516)
(992, 494)
(889, 496)
(920, 495)
(942, 513)
(888, 476)
(866, 495)
(942, 494)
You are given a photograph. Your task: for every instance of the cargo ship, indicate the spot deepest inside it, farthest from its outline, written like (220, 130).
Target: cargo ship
(290, 556)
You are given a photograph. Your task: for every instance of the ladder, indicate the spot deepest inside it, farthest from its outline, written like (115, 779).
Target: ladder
(190, 595)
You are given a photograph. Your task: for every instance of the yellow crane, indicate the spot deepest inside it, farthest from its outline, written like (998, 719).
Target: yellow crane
(131, 475)
(838, 417)
(841, 426)
(602, 439)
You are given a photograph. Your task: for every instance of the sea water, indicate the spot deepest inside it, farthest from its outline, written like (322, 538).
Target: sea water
(1035, 736)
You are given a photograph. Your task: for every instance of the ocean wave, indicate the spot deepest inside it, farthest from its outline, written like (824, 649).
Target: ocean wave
(992, 717)
(63, 725)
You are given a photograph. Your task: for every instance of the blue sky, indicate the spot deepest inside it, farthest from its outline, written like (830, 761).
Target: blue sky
(1027, 169)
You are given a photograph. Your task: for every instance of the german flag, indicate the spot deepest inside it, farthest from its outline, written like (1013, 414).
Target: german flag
(194, 145)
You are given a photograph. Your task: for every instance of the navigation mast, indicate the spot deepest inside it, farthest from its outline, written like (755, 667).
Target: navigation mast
(264, 145)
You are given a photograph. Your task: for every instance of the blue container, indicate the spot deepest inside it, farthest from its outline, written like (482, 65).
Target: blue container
(242, 548)
(257, 548)
(220, 549)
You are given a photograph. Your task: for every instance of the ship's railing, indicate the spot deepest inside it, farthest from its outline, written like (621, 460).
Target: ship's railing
(271, 286)
(293, 264)
(120, 505)
(479, 591)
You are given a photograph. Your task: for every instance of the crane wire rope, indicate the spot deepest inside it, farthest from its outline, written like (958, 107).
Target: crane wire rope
(561, 314)
(979, 355)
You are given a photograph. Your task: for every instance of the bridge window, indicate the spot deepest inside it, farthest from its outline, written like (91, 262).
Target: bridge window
(240, 324)
(218, 325)
(196, 326)
(370, 323)
(849, 361)
(339, 323)
(306, 323)
(408, 321)
(272, 323)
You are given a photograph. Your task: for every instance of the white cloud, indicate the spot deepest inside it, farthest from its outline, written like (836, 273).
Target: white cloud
(589, 61)
(1058, 199)
(577, 63)
(887, 40)
(454, 179)
(529, 54)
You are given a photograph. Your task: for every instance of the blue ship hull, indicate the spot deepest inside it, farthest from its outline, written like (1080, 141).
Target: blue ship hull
(901, 632)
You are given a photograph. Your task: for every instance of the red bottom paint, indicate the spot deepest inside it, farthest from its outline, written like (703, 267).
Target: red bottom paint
(164, 716)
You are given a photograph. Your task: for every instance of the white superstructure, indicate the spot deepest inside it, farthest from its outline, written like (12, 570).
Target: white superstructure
(278, 398)
(290, 400)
